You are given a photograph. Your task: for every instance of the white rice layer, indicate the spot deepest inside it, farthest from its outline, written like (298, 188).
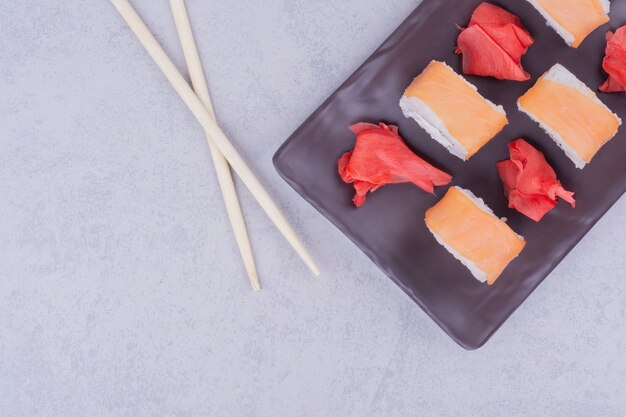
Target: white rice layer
(417, 110)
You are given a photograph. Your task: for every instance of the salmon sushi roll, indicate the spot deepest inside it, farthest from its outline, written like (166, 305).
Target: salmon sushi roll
(451, 110)
(570, 113)
(573, 20)
(472, 233)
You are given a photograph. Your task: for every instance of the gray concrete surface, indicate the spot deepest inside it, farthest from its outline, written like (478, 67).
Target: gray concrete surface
(121, 292)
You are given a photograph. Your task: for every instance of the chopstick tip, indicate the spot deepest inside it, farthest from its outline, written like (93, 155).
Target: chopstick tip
(254, 280)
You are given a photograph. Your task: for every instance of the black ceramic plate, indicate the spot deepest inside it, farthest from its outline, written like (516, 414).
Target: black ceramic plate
(390, 227)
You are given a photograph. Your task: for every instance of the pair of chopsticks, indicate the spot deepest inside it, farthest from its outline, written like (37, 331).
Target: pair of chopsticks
(222, 150)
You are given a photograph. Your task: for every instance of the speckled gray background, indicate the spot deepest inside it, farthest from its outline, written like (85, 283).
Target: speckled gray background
(121, 291)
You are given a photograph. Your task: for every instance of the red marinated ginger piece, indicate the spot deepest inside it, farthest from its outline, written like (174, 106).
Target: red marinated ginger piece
(530, 183)
(493, 44)
(381, 157)
(615, 61)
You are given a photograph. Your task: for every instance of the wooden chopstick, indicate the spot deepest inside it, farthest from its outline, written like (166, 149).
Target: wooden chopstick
(198, 81)
(216, 135)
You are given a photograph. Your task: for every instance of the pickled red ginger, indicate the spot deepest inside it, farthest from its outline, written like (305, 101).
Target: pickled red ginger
(615, 61)
(530, 183)
(381, 157)
(493, 44)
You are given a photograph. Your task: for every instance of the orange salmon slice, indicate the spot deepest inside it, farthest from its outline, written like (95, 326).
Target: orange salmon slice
(577, 116)
(483, 242)
(468, 117)
(578, 17)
